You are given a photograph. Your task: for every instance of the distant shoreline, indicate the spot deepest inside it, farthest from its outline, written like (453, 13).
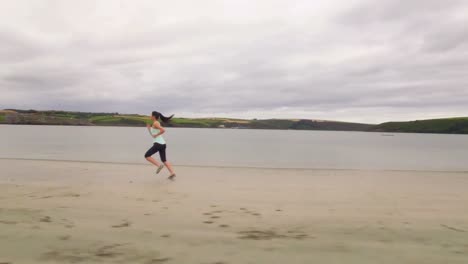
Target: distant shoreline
(458, 125)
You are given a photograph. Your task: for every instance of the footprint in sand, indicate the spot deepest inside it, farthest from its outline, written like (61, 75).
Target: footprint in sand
(259, 235)
(271, 234)
(124, 224)
(453, 228)
(166, 235)
(215, 217)
(8, 222)
(108, 251)
(45, 219)
(296, 234)
(65, 237)
(301, 236)
(208, 222)
(158, 260)
(224, 226)
(75, 255)
(71, 194)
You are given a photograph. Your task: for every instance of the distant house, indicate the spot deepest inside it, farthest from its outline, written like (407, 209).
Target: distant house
(221, 126)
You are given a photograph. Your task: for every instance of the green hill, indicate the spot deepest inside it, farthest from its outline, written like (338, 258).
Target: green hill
(457, 125)
(33, 117)
(13, 116)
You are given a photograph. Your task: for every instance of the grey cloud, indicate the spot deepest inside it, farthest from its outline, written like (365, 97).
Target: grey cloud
(16, 47)
(447, 37)
(50, 80)
(398, 11)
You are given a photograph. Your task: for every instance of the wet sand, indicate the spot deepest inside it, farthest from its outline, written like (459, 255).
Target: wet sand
(77, 212)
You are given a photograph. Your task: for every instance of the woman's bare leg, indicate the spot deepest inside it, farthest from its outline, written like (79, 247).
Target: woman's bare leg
(152, 160)
(169, 167)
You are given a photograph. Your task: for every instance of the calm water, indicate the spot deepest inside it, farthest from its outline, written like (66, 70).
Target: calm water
(243, 148)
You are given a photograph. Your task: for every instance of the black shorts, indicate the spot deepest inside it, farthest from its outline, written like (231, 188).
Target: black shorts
(155, 148)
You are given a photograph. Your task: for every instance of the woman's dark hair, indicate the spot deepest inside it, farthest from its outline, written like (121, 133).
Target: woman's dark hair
(158, 115)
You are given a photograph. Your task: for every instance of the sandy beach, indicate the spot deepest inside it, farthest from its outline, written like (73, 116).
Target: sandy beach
(80, 212)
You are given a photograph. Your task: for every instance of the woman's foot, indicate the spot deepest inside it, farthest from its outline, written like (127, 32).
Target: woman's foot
(159, 169)
(171, 177)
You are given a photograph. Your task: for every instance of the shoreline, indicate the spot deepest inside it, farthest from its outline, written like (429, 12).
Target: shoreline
(241, 167)
(393, 133)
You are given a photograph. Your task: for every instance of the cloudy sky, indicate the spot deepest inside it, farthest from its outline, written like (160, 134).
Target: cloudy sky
(351, 60)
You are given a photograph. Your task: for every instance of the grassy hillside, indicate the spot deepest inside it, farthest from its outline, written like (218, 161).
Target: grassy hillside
(447, 126)
(13, 116)
(457, 125)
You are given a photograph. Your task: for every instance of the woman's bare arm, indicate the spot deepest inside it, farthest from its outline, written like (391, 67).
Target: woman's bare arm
(149, 129)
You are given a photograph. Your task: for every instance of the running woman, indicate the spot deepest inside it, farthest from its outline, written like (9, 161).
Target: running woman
(159, 144)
